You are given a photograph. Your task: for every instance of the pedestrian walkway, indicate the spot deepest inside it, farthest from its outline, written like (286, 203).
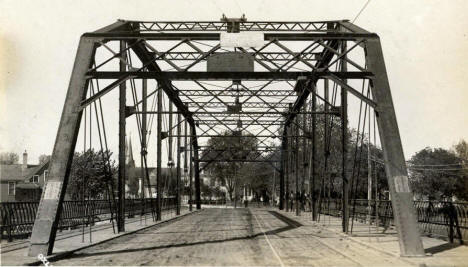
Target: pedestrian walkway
(439, 252)
(15, 253)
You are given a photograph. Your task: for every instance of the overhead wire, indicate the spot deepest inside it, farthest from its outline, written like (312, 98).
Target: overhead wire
(360, 11)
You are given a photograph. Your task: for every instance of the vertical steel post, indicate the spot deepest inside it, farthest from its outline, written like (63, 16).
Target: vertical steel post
(191, 177)
(313, 170)
(304, 142)
(48, 214)
(170, 161)
(344, 143)
(395, 165)
(158, 155)
(122, 172)
(369, 172)
(179, 122)
(326, 95)
(288, 166)
(196, 168)
(273, 192)
(284, 169)
(144, 108)
(296, 158)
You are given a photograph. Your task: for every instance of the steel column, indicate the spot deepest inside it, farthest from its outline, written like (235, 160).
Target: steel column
(143, 145)
(196, 166)
(122, 171)
(344, 145)
(395, 165)
(288, 166)
(296, 158)
(191, 177)
(283, 168)
(50, 206)
(179, 123)
(158, 156)
(313, 170)
(170, 162)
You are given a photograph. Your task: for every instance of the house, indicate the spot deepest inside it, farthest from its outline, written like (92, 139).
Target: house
(22, 182)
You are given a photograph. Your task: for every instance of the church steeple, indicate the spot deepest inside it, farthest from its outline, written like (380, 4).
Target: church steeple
(129, 161)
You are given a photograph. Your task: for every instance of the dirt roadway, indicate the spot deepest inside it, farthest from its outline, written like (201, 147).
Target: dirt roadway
(232, 237)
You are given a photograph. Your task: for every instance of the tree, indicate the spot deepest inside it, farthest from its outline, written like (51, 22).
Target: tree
(233, 149)
(461, 149)
(437, 173)
(43, 158)
(90, 174)
(9, 158)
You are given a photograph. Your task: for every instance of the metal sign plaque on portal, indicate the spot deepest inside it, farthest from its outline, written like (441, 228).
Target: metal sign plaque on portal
(242, 39)
(230, 62)
(52, 190)
(401, 184)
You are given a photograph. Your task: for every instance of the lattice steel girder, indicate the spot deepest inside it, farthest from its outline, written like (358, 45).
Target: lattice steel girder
(233, 92)
(245, 105)
(230, 136)
(267, 113)
(265, 56)
(234, 122)
(197, 75)
(290, 26)
(344, 36)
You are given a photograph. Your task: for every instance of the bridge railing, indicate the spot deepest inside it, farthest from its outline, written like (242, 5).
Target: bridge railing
(17, 218)
(443, 219)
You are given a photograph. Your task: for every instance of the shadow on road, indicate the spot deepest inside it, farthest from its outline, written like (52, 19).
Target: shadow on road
(290, 224)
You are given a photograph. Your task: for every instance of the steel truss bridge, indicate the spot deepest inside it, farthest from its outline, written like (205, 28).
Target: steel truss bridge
(302, 71)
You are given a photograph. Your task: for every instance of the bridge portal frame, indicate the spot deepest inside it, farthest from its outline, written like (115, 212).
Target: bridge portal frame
(329, 35)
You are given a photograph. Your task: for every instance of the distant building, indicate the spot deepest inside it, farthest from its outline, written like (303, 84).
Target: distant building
(135, 176)
(22, 182)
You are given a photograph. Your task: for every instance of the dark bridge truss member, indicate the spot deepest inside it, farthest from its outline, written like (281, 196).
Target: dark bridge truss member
(296, 60)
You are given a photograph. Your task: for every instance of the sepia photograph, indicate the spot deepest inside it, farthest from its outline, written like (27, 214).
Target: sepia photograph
(234, 133)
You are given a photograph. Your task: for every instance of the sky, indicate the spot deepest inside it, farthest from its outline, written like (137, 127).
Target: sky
(425, 46)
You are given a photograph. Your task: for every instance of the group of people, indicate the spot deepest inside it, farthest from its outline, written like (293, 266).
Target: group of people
(299, 198)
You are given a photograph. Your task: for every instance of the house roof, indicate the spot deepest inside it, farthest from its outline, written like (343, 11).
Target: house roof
(38, 170)
(13, 172)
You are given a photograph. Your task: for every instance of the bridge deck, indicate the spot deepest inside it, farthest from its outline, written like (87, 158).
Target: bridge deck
(255, 237)
(259, 237)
